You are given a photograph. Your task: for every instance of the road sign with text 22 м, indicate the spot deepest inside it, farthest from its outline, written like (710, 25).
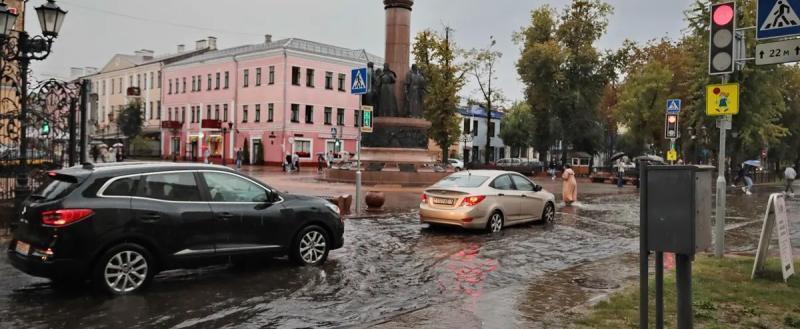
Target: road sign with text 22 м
(722, 99)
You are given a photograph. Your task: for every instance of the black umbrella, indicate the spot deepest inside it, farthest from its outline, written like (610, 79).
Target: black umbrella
(617, 156)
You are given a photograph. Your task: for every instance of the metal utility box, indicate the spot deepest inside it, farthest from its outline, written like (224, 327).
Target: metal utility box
(679, 208)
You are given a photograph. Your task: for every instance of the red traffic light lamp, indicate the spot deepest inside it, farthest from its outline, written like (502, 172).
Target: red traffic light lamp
(671, 127)
(721, 41)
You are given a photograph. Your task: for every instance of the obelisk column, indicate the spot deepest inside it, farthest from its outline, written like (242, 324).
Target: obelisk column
(398, 43)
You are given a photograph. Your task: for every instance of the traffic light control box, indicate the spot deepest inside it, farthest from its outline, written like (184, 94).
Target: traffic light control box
(679, 208)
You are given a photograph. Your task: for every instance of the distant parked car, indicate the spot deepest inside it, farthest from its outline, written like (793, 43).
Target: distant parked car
(522, 166)
(120, 224)
(457, 164)
(486, 199)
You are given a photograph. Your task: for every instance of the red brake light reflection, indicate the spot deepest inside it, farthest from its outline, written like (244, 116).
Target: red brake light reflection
(64, 217)
(471, 201)
(424, 198)
(723, 14)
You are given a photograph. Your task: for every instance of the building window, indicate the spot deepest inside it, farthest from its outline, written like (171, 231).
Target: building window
(356, 118)
(169, 91)
(309, 114)
(491, 129)
(258, 76)
(340, 117)
(138, 80)
(113, 86)
(184, 85)
(208, 87)
(130, 81)
(328, 115)
(104, 88)
(169, 114)
(272, 75)
(302, 148)
(152, 80)
(258, 113)
(329, 80)
(192, 114)
(183, 114)
(295, 76)
(216, 86)
(158, 110)
(225, 112)
(194, 83)
(244, 113)
(199, 83)
(295, 113)
(120, 85)
(208, 112)
(310, 78)
(246, 78)
(342, 78)
(227, 79)
(152, 109)
(216, 112)
(159, 80)
(466, 126)
(475, 128)
(270, 111)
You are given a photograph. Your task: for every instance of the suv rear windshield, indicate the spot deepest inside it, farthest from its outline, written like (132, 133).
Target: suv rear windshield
(461, 181)
(55, 187)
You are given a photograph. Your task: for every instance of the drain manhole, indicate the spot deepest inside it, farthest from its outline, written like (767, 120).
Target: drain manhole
(594, 283)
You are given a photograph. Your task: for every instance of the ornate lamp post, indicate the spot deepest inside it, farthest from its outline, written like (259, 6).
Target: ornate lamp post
(23, 48)
(465, 138)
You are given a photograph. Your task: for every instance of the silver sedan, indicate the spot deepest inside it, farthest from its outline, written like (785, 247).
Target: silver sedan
(486, 199)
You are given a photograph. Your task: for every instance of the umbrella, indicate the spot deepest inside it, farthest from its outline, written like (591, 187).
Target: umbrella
(95, 142)
(753, 163)
(652, 158)
(117, 145)
(617, 156)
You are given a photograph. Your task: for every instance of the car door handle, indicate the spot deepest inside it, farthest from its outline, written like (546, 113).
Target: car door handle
(152, 217)
(225, 216)
(524, 196)
(500, 194)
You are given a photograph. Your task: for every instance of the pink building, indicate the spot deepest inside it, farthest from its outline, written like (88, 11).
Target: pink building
(272, 99)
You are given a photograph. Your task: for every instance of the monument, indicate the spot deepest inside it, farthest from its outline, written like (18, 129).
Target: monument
(396, 151)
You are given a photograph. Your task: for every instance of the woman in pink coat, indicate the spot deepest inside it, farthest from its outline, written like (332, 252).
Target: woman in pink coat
(570, 186)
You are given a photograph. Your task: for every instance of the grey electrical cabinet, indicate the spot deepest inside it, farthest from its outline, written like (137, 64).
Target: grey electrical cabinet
(678, 208)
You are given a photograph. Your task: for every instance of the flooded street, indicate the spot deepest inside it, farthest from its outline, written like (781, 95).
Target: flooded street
(393, 272)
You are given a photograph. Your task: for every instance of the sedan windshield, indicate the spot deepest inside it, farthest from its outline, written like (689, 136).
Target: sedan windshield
(461, 181)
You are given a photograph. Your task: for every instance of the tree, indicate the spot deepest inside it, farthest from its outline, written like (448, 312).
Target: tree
(482, 68)
(516, 124)
(131, 119)
(435, 57)
(564, 74)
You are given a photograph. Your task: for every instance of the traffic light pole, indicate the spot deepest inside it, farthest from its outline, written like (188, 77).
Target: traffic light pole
(358, 162)
(719, 226)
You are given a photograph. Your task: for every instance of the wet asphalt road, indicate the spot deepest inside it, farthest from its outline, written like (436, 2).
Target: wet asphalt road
(390, 267)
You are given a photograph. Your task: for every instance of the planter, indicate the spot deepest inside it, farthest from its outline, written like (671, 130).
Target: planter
(374, 200)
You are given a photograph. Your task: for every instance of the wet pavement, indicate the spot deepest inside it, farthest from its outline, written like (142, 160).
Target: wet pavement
(392, 273)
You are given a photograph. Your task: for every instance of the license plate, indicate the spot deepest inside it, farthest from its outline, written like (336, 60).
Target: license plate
(22, 248)
(443, 201)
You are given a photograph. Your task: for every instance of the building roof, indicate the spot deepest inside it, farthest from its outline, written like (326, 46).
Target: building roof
(358, 55)
(478, 111)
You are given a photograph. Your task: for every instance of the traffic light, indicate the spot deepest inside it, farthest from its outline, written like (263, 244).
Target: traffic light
(45, 130)
(720, 50)
(366, 119)
(671, 129)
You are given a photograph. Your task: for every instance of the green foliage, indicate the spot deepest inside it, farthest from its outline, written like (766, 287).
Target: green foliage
(139, 145)
(516, 125)
(564, 73)
(435, 56)
(131, 119)
(481, 65)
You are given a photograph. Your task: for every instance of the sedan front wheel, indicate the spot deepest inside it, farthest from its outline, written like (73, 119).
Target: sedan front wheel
(310, 247)
(495, 223)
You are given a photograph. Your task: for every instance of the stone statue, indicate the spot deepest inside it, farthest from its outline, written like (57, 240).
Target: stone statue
(387, 105)
(376, 92)
(370, 97)
(415, 92)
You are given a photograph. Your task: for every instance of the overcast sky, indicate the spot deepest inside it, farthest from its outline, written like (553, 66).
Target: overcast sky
(95, 30)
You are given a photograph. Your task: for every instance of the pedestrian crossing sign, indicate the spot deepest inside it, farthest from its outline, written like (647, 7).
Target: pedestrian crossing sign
(722, 99)
(673, 106)
(359, 81)
(777, 19)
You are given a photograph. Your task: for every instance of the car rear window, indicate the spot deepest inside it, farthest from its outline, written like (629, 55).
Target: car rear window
(461, 181)
(55, 187)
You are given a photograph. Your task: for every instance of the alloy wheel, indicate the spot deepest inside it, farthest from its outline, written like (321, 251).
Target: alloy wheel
(126, 271)
(496, 223)
(549, 214)
(312, 247)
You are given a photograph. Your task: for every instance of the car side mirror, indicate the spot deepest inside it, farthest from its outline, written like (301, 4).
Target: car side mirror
(537, 188)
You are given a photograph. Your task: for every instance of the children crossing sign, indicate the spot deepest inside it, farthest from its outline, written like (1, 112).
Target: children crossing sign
(777, 18)
(722, 99)
(359, 81)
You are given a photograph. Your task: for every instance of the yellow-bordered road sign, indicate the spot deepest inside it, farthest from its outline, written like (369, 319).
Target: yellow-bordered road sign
(722, 99)
(672, 155)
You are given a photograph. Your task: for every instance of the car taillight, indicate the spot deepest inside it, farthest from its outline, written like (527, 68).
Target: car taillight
(64, 217)
(424, 198)
(471, 201)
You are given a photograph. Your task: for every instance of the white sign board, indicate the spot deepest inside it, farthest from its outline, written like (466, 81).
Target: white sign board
(775, 217)
(778, 52)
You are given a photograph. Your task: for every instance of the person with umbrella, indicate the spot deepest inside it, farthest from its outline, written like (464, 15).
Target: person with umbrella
(789, 175)
(570, 186)
(744, 174)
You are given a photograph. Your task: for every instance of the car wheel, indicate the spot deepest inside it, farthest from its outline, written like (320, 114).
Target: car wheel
(549, 213)
(495, 223)
(310, 246)
(124, 269)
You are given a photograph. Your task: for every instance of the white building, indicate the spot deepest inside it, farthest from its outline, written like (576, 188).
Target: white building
(473, 137)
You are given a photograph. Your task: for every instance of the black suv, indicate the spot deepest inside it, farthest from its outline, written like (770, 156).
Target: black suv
(120, 224)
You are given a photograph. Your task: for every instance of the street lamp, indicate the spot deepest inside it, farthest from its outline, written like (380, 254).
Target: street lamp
(23, 48)
(465, 138)
(225, 131)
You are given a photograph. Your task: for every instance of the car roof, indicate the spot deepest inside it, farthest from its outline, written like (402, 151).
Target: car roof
(485, 172)
(127, 168)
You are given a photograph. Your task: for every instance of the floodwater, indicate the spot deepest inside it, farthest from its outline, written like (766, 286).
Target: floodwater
(392, 273)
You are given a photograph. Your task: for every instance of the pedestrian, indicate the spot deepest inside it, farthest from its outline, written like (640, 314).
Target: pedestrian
(296, 161)
(569, 190)
(789, 175)
(287, 164)
(206, 155)
(620, 173)
(321, 163)
(239, 158)
(552, 170)
(744, 174)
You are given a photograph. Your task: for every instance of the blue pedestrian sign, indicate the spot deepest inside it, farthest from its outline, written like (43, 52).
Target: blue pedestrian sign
(777, 19)
(673, 106)
(359, 81)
